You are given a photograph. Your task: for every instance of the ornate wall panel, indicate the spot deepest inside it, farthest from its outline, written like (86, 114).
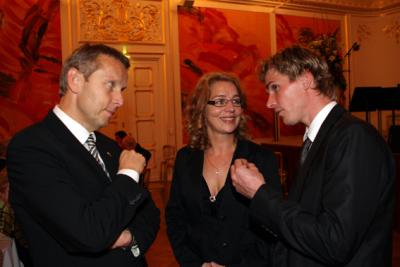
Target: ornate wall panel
(144, 104)
(143, 77)
(145, 130)
(120, 21)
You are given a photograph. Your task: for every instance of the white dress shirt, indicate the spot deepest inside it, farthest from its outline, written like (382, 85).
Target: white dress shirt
(313, 129)
(82, 135)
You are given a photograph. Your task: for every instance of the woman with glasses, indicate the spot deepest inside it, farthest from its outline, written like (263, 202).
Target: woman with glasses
(208, 223)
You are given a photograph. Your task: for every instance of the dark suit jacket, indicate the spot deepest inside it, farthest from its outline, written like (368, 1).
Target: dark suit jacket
(340, 207)
(69, 211)
(229, 237)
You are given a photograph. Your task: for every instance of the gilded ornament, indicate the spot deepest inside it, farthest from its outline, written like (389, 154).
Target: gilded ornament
(363, 32)
(393, 30)
(120, 20)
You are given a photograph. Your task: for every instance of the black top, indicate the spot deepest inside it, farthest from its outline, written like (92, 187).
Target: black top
(222, 231)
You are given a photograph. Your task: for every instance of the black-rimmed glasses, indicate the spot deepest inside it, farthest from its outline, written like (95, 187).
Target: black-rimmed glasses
(222, 102)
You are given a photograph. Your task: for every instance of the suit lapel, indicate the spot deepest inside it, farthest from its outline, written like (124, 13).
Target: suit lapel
(242, 151)
(315, 152)
(71, 145)
(195, 177)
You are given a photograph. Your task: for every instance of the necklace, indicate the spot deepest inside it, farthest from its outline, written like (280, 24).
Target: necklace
(217, 171)
(213, 198)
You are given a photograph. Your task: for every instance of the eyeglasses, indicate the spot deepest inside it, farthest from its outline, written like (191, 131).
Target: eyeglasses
(222, 102)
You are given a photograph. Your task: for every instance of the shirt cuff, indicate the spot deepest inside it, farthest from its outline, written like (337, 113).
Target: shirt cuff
(131, 173)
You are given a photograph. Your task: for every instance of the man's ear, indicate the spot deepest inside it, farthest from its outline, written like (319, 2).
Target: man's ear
(307, 80)
(75, 80)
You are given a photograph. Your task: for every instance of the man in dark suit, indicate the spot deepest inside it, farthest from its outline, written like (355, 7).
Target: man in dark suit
(74, 192)
(340, 208)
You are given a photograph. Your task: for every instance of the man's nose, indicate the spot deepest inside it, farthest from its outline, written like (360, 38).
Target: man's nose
(271, 102)
(118, 99)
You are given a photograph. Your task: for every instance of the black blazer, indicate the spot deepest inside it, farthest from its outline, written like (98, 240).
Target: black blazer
(340, 208)
(238, 240)
(69, 211)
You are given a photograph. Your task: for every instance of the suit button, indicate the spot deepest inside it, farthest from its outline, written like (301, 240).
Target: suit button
(222, 217)
(224, 244)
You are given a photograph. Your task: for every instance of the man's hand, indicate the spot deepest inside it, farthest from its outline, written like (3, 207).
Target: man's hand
(123, 240)
(129, 159)
(214, 264)
(246, 178)
(211, 264)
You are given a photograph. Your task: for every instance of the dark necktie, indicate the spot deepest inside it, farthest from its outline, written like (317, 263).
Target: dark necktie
(304, 150)
(91, 146)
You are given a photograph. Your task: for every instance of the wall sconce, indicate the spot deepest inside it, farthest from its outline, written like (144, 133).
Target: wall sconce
(125, 51)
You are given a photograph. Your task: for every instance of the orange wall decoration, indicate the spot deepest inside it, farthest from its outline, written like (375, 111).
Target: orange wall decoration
(30, 53)
(226, 40)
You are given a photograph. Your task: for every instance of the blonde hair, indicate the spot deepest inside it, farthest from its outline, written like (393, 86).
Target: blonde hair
(294, 61)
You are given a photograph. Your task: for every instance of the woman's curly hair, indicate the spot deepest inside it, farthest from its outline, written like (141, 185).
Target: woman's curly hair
(196, 107)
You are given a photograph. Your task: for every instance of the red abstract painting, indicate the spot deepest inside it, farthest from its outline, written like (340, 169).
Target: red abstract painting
(227, 40)
(30, 52)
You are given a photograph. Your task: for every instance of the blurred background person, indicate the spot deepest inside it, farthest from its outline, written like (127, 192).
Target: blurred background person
(8, 225)
(208, 222)
(119, 136)
(126, 141)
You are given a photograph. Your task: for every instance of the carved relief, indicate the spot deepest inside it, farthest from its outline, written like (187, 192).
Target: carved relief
(363, 32)
(393, 30)
(120, 20)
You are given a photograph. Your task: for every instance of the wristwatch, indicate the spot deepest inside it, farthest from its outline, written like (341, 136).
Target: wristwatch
(134, 248)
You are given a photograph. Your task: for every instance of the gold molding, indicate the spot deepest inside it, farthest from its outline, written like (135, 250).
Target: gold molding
(340, 6)
(127, 21)
(359, 5)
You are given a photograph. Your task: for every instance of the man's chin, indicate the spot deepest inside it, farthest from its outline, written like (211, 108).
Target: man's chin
(103, 123)
(288, 122)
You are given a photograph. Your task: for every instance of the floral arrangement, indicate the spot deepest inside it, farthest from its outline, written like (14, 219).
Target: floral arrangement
(326, 46)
